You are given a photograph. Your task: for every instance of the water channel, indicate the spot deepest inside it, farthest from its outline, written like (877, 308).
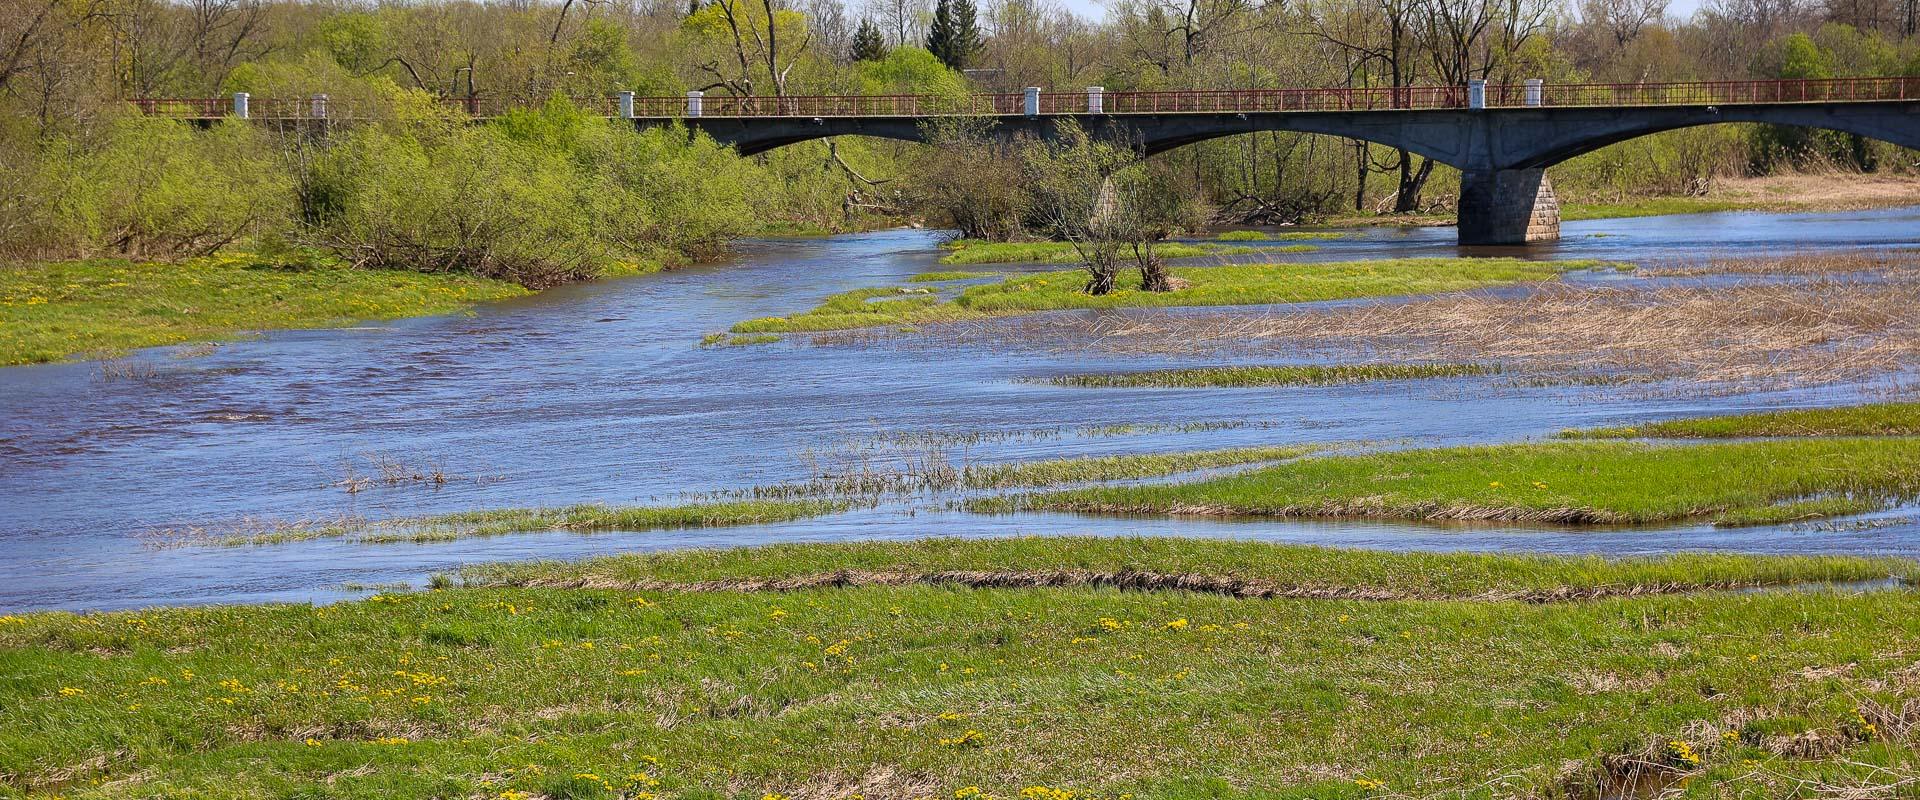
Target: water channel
(600, 393)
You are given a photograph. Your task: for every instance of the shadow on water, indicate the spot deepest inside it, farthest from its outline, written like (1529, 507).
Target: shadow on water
(599, 393)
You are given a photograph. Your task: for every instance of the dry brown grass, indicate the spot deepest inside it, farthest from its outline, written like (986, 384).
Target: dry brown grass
(1834, 318)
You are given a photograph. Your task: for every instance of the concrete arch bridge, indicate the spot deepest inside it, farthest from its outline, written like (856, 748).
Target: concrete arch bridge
(1502, 138)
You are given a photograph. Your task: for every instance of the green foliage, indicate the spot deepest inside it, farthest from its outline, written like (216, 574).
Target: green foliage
(356, 40)
(911, 70)
(539, 197)
(159, 189)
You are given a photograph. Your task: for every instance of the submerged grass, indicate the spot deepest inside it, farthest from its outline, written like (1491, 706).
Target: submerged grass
(973, 251)
(1873, 419)
(949, 275)
(53, 311)
(497, 522)
(1289, 375)
(1568, 483)
(923, 690)
(1242, 284)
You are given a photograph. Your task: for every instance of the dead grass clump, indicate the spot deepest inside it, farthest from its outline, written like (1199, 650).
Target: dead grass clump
(1813, 262)
(1723, 338)
(1123, 580)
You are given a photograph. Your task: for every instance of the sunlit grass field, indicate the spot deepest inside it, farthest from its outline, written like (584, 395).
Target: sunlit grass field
(102, 307)
(934, 691)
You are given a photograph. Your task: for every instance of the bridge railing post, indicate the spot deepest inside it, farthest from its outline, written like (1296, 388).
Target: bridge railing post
(319, 106)
(694, 103)
(1096, 100)
(1476, 94)
(626, 105)
(240, 105)
(1533, 93)
(1032, 101)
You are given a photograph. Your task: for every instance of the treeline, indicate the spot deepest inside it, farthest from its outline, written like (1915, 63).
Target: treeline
(79, 175)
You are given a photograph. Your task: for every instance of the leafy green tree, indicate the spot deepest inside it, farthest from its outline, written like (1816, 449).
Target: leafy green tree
(868, 44)
(954, 37)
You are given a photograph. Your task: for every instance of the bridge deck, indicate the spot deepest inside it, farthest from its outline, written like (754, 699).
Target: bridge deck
(1620, 95)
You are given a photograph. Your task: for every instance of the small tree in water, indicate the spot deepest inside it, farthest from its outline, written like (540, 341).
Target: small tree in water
(1092, 195)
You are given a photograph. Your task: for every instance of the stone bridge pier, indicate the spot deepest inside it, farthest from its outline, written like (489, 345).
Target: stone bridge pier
(1508, 206)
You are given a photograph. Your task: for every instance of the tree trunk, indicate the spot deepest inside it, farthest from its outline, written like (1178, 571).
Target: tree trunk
(1153, 272)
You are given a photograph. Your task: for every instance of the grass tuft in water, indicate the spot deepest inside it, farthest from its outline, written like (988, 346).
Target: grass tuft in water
(1126, 467)
(1238, 284)
(1291, 375)
(973, 251)
(1560, 483)
(497, 522)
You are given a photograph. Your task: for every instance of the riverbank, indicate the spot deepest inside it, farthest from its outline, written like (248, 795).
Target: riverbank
(1773, 194)
(105, 307)
(1018, 671)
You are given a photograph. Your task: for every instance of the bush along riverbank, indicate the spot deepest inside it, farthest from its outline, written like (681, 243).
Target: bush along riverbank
(939, 669)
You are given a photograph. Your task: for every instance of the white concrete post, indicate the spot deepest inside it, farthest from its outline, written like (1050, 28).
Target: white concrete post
(693, 103)
(319, 106)
(240, 104)
(1476, 94)
(1096, 100)
(1533, 91)
(1033, 101)
(626, 105)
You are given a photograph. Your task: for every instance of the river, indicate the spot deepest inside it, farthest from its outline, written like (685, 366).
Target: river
(599, 393)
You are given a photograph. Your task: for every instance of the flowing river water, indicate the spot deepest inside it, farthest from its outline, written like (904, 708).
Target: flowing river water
(599, 393)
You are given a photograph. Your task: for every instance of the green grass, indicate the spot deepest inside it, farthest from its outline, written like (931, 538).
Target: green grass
(950, 275)
(737, 340)
(1292, 375)
(973, 251)
(578, 518)
(1575, 483)
(53, 311)
(1241, 284)
(1873, 419)
(1113, 468)
(925, 690)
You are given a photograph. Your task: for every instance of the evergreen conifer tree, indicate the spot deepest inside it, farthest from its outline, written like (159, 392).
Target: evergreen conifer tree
(868, 44)
(955, 34)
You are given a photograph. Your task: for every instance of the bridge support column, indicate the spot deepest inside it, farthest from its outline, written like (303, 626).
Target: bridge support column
(1508, 206)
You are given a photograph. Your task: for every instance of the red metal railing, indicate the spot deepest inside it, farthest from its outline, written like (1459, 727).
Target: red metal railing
(1182, 102)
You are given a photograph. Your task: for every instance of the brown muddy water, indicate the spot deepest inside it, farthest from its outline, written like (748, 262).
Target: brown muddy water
(600, 393)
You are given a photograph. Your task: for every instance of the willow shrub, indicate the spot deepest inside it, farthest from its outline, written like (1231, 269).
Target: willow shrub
(539, 197)
(142, 188)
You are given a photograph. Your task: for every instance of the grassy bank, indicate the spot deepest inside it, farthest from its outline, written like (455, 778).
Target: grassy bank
(1290, 375)
(925, 690)
(53, 311)
(1578, 483)
(1874, 419)
(1246, 284)
(973, 251)
(1113, 468)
